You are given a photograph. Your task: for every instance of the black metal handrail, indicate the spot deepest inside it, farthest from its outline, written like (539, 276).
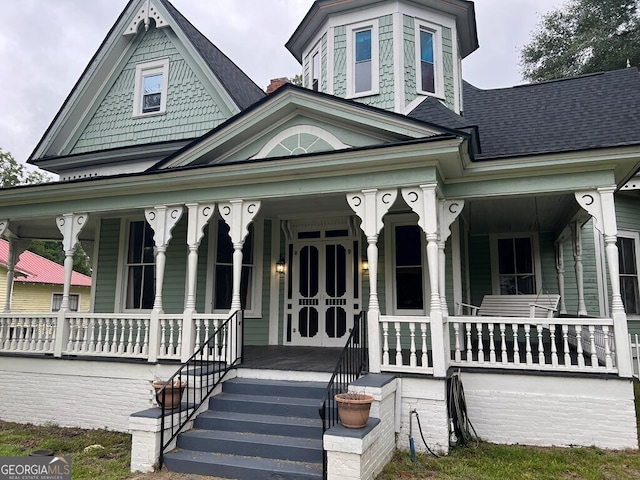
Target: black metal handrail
(200, 375)
(353, 360)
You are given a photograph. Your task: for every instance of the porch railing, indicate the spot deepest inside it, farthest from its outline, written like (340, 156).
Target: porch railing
(28, 333)
(560, 344)
(353, 360)
(406, 341)
(201, 374)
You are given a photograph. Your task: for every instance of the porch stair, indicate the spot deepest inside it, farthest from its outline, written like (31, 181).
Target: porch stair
(255, 429)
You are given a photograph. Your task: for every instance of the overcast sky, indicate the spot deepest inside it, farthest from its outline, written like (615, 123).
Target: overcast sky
(46, 44)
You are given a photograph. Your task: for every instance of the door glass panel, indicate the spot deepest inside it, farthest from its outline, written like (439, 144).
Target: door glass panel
(309, 271)
(336, 322)
(308, 322)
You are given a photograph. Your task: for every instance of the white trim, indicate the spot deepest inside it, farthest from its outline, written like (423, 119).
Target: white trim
(147, 11)
(390, 222)
(155, 67)
(413, 104)
(331, 45)
(601, 271)
(438, 69)
(321, 133)
(374, 26)
(274, 284)
(398, 64)
(537, 265)
(635, 236)
(316, 50)
(122, 277)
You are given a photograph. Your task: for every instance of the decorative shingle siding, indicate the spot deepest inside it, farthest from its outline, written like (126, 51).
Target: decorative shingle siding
(190, 112)
(323, 79)
(306, 79)
(447, 65)
(410, 92)
(340, 62)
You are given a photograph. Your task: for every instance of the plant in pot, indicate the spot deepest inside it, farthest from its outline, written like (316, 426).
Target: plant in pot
(171, 395)
(353, 408)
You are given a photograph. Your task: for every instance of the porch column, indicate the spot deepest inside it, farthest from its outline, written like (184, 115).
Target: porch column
(371, 206)
(199, 216)
(70, 226)
(560, 272)
(576, 241)
(423, 200)
(16, 247)
(162, 219)
(238, 214)
(601, 206)
(449, 211)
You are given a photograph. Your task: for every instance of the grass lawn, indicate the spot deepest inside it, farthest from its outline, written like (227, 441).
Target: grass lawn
(110, 461)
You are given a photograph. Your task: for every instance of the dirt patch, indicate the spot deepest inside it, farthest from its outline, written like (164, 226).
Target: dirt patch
(164, 474)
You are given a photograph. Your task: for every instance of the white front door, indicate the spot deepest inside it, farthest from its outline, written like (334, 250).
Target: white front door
(323, 300)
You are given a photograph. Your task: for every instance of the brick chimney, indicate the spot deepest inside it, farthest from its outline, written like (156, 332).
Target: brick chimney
(276, 83)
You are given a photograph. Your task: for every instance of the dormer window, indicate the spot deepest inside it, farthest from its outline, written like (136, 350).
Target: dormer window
(363, 60)
(150, 95)
(429, 77)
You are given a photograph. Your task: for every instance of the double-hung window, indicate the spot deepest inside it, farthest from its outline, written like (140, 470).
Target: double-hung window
(514, 261)
(628, 266)
(56, 302)
(362, 60)
(140, 267)
(429, 75)
(427, 64)
(150, 94)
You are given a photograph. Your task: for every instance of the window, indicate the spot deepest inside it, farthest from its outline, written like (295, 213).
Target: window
(224, 270)
(150, 96)
(315, 71)
(628, 266)
(56, 302)
(427, 66)
(515, 266)
(362, 61)
(140, 267)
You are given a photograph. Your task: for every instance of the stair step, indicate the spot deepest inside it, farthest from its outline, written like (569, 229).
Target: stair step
(252, 445)
(240, 467)
(265, 424)
(267, 405)
(280, 388)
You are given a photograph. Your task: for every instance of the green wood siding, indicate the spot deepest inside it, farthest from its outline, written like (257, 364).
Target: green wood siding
(257, 329)
(105, 277)
(627, 208)
(448, 67)
(324, 78)
(175, 276)
(340, 62)
(113, 125)
(410, 91)
(479, 267)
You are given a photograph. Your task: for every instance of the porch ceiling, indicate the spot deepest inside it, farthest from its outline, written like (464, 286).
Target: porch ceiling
(520, 214)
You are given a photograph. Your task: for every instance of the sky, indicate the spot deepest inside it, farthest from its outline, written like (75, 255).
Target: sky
(45, 46)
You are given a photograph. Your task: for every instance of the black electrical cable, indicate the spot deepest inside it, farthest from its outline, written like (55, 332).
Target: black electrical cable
(457, 408)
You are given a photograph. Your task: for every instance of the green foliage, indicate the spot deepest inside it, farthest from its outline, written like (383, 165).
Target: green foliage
(297, 80)
(54, 252)
(584, 36)
(13, 173)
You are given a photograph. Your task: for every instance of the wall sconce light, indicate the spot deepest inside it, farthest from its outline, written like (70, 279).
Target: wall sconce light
(365, 265)
(280, 266)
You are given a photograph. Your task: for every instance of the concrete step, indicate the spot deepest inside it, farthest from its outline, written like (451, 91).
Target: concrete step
(265, 405)
(265, 424)
(280, 388)
(252, 445)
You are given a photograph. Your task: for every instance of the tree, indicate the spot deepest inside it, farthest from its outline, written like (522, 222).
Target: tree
(584, 36)
(297, 80)
(13, 173)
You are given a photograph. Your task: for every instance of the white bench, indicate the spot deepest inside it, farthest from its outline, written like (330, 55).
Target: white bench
(543, 305)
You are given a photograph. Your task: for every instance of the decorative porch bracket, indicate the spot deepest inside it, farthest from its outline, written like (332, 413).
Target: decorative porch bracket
(449, 212)
(70, 226)
(601, 206)
(423, 200)
(371, 206)
(238, 214)
(199, 216)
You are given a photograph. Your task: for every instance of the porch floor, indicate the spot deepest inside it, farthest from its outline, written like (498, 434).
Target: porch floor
(301, 359)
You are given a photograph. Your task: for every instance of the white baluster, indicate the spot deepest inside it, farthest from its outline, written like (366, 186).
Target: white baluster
(578, 329)
(99, 340)
(85, 335)
(172, 345)
(145, 345)
(503, 344)
(607, 348)
(541, 359)
(198, 327)
(527, 336)
(137, 348)
(385, 347)
(398, 344)
(565, 345)
(163, 340)
(516, 344)
(40, 331)
(92, 334)
(21, 333)
(413, 360)
(492, 345)
(114, 336)
(3, 329)
(130, 336)
(554, 348)
(425, 353)
(456, 331)
(592, 341)
(480, 345)
(469, 344)
(33, 325)
(73, 333)
(122, 323)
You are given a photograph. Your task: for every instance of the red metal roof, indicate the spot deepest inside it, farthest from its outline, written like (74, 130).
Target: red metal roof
(32, 268)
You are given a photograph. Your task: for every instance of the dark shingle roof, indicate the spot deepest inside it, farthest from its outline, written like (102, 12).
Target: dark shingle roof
(238, 85)
(590, 111)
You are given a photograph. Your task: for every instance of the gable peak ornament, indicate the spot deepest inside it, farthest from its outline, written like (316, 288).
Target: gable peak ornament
(147, 12)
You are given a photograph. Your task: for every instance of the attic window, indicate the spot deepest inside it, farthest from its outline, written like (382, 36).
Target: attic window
(429, 74)
(150, 95)
(362, 60)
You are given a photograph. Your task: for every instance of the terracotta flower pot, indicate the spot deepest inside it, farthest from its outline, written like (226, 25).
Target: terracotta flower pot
(353, 409)
(172, 395)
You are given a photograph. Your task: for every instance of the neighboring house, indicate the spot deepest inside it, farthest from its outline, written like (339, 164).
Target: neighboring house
(38, 284)
(386, 189)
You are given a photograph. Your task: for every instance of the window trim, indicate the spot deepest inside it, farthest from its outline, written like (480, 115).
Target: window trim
(635, 236)
(255, 310)
(122, 274)
(438, 70)
(60, 294)
(155, 67)
(375, 59)
(537, 263)
(317, 50)
(390, 223)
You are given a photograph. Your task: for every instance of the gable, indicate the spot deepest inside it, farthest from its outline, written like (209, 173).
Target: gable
(190, 110)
